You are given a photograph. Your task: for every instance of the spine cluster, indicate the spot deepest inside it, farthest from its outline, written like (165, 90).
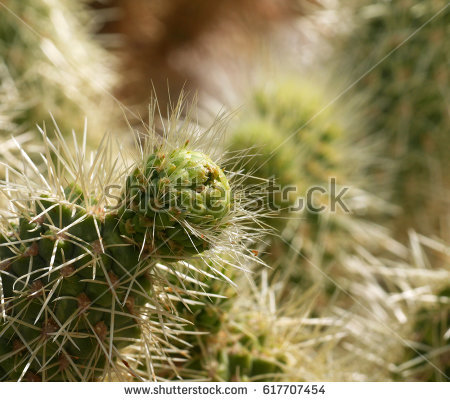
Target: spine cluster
(75, 276)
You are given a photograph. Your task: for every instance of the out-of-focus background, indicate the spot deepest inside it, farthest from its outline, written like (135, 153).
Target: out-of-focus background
(354, 90)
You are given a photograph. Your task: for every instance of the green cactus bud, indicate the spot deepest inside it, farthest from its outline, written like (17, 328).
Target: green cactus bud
(172, 195)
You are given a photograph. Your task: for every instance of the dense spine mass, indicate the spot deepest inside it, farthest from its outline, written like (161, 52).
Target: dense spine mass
(75, 277)
(233, 344)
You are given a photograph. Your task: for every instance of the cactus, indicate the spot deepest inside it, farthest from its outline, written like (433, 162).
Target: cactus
(288, 140)
(79, 276)
(234, 343)
(176, 203)
(428, 361)
(203, 306)
(405, 101)
(226, 341)
(292, 134)
(39, 72)
(406, 110)
(432, 335)
(284, 126)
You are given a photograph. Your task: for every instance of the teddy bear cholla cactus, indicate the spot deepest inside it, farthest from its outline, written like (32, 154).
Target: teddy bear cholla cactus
(82, 270)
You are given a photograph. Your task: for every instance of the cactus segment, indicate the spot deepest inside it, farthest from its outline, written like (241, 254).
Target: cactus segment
(66, 281)
(174, 203)
(78, 277)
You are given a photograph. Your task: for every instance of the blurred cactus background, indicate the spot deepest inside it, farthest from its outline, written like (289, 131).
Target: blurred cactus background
(407, 101)
(315, 97)
(51, 64)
